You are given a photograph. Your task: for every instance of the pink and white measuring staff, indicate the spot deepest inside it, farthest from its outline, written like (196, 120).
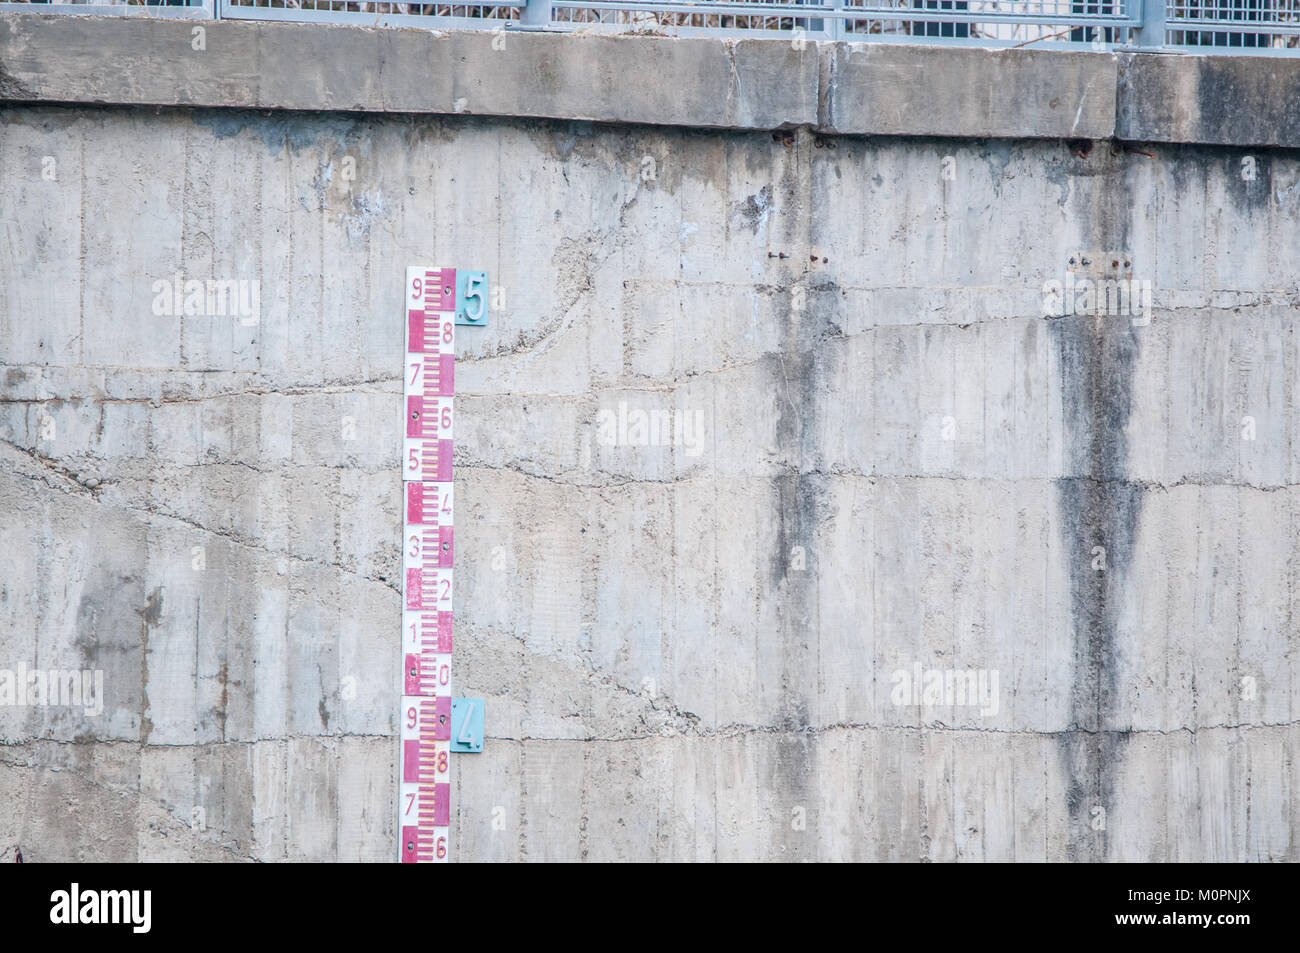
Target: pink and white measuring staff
(424, 800)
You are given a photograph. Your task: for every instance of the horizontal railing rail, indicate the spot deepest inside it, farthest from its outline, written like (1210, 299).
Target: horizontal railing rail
(1204, 26)
(193, 9)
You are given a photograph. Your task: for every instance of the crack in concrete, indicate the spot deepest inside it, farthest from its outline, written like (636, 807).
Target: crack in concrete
(232, 538)
(939, 728)
(694, 476)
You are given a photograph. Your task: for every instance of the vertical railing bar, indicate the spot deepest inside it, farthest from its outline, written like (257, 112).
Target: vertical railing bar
(836, 29)
(1151, 35)
(536, 16)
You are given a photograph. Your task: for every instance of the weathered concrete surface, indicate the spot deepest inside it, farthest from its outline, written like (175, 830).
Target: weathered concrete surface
(687, 650)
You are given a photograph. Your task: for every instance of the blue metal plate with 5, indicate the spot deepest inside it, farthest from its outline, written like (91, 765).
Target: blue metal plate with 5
(471, 297)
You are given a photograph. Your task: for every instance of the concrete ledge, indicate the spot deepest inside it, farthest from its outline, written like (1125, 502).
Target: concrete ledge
(1221, 100)
(750, 84)
(889, 89)
(846, 88)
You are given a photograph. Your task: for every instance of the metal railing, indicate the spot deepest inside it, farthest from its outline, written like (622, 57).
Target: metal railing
(1202, 26)
(1234, 26)
(1000, 22)
(450, 16)
(193, 9)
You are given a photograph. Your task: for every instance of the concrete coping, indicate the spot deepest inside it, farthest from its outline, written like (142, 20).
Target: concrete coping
(871, 89)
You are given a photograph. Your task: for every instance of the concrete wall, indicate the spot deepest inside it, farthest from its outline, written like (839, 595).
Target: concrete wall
(688, 651)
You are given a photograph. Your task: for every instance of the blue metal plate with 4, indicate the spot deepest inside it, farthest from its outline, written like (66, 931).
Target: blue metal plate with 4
(467, 724)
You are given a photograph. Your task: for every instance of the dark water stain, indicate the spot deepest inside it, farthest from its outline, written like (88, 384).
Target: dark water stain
(153, 606)
(223, 709)
(1099, 507)
(1099, 517)
(797, 376)
(751, 211)
(1229, 96)
(277, 131)
(1248, 180)
(150, 616)
(995, 158)
(789, 781)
